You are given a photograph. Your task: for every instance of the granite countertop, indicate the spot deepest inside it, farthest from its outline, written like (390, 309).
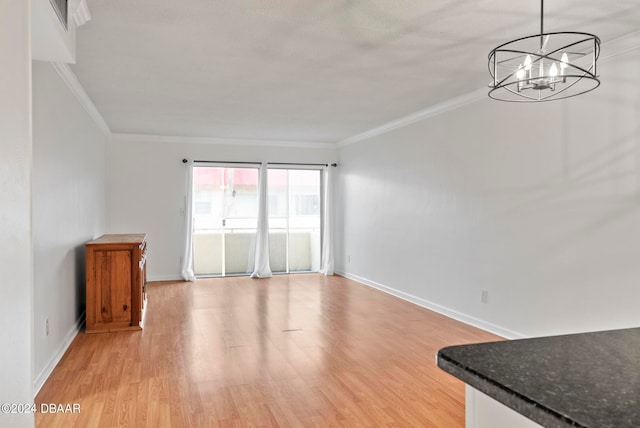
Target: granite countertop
(580, 380)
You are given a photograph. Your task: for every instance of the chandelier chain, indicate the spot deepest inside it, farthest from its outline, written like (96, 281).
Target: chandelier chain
(541, 23)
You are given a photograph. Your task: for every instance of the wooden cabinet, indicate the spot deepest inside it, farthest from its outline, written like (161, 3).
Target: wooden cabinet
(116, 282)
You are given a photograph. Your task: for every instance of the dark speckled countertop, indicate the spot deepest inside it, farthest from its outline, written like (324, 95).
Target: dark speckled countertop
(587, 380)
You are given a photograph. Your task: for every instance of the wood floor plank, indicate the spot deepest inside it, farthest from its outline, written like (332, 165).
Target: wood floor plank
(289, 351)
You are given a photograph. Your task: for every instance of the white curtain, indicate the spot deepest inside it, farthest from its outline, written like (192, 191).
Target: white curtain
(326, 266)
(261, 267)
(187, 255)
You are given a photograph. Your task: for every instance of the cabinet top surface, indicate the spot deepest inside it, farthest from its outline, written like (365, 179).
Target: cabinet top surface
(124, 238)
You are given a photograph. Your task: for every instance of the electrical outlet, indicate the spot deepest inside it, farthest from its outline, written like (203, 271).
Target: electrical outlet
(484, 297)
(46, 327)
(348, 259)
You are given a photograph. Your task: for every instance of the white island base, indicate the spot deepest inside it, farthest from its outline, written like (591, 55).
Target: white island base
(482, 411)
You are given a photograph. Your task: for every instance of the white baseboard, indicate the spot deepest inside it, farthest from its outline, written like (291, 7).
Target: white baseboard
(472, 321)
(164, 278)
(57, 356)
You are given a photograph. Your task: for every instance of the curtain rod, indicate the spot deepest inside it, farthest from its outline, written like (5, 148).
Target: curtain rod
(232, 162)
(185, 160)
(302, 164)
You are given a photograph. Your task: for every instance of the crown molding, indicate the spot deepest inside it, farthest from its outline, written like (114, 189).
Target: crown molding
(219, 141)
(81, 95)
(620, 46)
(610, 50)
(432, 111)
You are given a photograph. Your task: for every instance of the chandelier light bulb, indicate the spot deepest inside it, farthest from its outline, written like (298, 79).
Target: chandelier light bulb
(564, 62)
(527, 62)
(553, 71)
(520, 73)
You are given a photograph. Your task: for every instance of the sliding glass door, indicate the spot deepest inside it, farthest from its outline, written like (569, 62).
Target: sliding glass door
(224, 220)
(294, 220)
(225, 211)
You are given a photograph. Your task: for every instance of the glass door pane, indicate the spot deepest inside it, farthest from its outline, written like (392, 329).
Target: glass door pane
(294, 220)
(225, 220)
(240, 220)
(304, 220)
(278, 191)
(208, 194)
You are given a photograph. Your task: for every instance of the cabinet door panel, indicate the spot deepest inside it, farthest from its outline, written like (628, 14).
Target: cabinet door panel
(113, 281)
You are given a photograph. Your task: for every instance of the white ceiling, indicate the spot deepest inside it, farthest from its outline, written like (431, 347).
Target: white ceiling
(303, 70)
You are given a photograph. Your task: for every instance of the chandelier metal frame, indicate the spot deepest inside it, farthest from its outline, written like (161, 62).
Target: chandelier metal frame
(545, 66)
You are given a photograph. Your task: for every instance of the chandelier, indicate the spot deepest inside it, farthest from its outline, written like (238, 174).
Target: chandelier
(545, 66)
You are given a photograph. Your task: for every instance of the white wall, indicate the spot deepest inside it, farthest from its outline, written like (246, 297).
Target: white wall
(16, 285)
(147, 187)
(69, 195)
(537, 204)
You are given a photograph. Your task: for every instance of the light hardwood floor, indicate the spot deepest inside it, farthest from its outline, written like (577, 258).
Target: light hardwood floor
(293, 350)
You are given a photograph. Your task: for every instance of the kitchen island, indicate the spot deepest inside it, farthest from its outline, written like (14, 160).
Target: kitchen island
(579, 380)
